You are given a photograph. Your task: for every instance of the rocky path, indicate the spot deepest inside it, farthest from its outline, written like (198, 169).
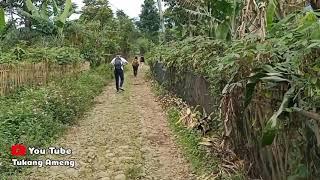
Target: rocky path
(125, 136)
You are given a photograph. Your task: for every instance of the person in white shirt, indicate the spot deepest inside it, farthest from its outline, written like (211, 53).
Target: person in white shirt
(118, 63)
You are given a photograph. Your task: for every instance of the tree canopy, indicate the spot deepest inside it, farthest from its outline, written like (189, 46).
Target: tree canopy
(149, 22)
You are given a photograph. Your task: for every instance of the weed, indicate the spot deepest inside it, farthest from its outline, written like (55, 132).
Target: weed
(189, 140)
(133, 172)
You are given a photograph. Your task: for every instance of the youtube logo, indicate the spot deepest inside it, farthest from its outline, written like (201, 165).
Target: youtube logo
(18, 150)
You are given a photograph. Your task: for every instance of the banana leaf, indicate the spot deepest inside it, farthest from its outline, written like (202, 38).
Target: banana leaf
(32, 8)
(63, 17)
(265, 73)
(44, 10)
(271, 128)
(275, 79)
(271, 10)
(222, 30)
(56, 9)
(253, 80)
(26, 14)
(269, 69)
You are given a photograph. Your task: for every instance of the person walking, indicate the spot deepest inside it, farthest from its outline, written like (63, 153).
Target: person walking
(119, 63)
(135, 66)
(142, 61)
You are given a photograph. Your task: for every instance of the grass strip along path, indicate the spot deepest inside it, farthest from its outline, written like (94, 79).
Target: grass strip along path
(125, 136)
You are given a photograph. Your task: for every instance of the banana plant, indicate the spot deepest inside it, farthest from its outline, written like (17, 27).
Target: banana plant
(278, 74)
(46, 20)
(218, 23)
(62, 15)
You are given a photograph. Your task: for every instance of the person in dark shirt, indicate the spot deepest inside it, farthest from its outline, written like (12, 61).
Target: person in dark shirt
(118, 63)
(135, 66)
(141, 61)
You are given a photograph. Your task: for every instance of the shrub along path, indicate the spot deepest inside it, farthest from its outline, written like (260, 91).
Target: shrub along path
(125, 136)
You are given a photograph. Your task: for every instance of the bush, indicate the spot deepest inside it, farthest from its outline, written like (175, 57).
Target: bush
(270, 82)
(58, 55)
(36, 116)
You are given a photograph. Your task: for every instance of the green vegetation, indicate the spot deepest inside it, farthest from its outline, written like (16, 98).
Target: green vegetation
(39, 31)
(46, 33)
(36, 116)
(204, 163)
(189, 140)
(134, 172)
(287, 56)
(58, 55)
(261, 59)
(215, 19)
(46, 21)
(149, 23)
(263, 71)
(2, 20)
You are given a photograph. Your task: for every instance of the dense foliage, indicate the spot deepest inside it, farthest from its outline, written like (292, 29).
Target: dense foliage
(58, 55)
(244, 72)
(251, 53)
(209, 18)
(46, 21)
(42, 31)
(97, 35)
(149, 22)
(36, 116)
(291, 46)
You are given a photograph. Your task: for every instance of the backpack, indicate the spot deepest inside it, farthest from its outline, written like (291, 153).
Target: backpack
(118, 63)
(135, 62)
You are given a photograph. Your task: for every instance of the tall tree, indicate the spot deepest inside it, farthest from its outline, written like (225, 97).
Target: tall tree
(97, 10)
(125, 32)
(103, 34)
(149, 22)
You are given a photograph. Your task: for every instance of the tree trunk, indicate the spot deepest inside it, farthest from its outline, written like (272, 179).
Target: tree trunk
(27, 20)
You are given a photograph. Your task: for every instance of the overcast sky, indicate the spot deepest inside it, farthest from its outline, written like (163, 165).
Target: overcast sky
(131, 7)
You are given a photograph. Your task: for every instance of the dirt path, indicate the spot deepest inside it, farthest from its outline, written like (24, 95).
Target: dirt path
(124, 137)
